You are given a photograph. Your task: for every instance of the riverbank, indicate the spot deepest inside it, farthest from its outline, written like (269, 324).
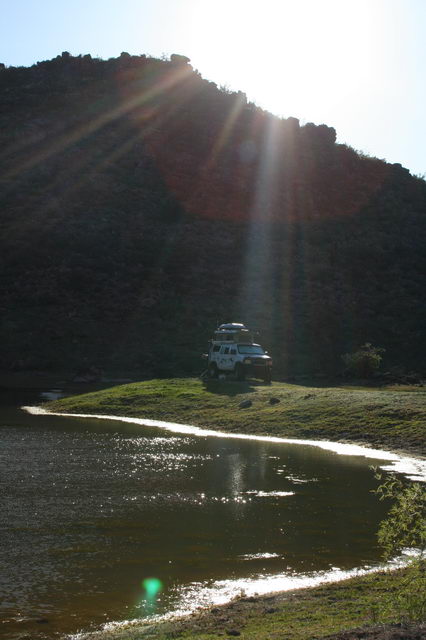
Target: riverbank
(391, 418)
(352, 609)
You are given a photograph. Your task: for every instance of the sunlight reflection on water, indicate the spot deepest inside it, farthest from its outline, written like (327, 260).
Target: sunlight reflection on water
(412, 468)
(97, 507)
(197, 596)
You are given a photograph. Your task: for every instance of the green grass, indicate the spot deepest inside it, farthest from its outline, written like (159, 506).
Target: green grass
(387, 418)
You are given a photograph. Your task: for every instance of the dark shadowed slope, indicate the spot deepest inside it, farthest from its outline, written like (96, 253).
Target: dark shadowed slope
(140, 204)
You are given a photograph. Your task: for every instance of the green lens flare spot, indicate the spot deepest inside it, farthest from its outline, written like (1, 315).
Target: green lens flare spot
(152, 587)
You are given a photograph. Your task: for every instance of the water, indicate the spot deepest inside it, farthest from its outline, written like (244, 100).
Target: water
(91, 508)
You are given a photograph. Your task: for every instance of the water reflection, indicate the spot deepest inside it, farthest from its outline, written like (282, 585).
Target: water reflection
(92, 508)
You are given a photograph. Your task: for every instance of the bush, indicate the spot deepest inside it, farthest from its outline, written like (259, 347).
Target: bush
(405, 528)
(365, 362)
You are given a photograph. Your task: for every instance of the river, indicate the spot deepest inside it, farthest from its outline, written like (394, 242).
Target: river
(92, 508)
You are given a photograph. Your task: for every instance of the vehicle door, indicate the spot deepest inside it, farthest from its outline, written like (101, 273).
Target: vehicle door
(226, 358)
(233, 359)
(215, 354)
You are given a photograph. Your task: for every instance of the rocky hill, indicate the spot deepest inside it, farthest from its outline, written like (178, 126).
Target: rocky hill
(140, 205)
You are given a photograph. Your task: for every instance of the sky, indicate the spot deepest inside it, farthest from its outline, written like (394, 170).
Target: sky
(356, 65)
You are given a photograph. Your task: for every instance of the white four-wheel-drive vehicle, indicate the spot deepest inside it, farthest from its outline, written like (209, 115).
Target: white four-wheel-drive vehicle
(232, 350)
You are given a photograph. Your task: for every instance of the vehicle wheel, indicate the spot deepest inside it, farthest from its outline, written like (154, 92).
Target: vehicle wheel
(268, 376)
(239, 371)
(212, 370)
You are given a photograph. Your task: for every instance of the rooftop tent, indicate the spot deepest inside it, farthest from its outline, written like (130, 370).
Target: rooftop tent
(231, 326)
(233, 332)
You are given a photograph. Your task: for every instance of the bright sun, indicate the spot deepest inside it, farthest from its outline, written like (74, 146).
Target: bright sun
(290, 57)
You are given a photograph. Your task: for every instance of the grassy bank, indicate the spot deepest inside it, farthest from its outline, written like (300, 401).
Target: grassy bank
(309, 614)
(390, 418)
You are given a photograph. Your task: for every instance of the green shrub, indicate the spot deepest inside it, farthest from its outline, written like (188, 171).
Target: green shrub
(365, 362)
(405, 528)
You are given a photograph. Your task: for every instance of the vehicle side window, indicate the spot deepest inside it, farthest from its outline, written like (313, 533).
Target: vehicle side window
(216, 348)
(226, 350)
(233, 351)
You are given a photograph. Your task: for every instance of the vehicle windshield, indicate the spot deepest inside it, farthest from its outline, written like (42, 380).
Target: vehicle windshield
(253, 349)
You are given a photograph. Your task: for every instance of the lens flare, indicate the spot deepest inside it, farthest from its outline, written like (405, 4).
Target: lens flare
(152, 588)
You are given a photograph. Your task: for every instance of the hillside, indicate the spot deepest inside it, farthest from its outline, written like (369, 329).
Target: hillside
(140, 205)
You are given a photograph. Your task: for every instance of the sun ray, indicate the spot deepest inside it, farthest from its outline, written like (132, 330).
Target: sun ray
(236, 107)
(67, 139)
(257, 290)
